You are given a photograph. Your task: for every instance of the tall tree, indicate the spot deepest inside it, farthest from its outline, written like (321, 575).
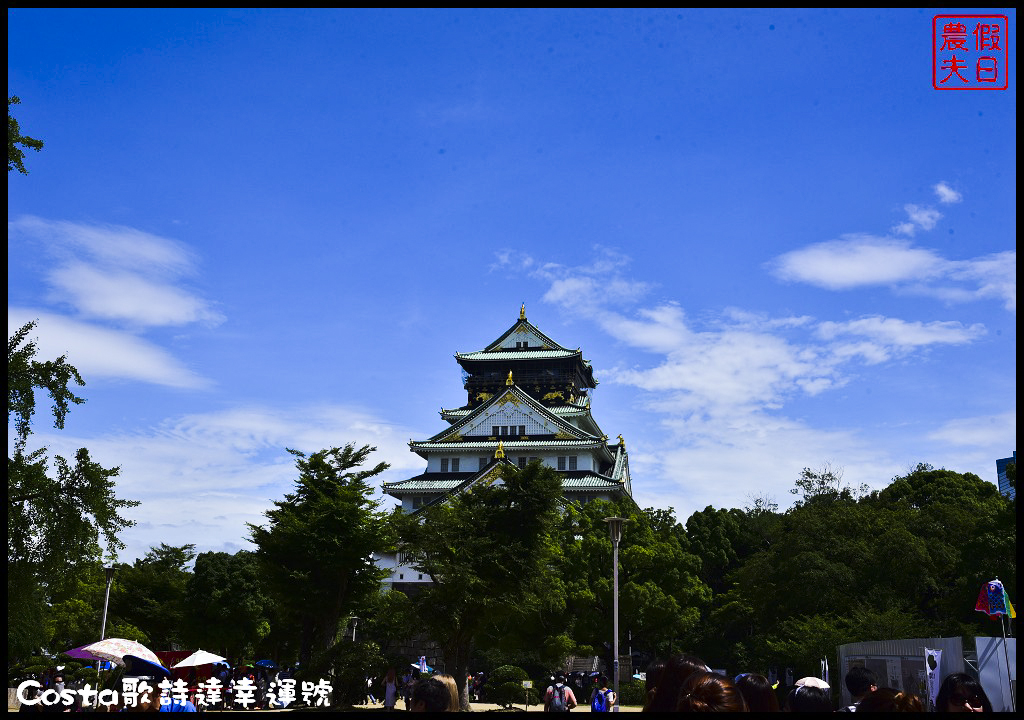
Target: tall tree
(149, 594)
(54, 519)
(227, 607)
(15, 155)
(489, 553)
(316, 549)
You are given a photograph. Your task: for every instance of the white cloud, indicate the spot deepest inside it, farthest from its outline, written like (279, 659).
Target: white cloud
(946, 194)
(109, 245)
(124, 296)
(923, 217)
(118, 273)
(100, 352)
(902, 334)
(202, 477)
(983, 432)
(863, 260)
(856, 260)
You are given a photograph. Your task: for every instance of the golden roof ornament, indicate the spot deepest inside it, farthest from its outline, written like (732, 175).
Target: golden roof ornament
(510, 381)
(622, 442)
(522, 312)
(499, 454)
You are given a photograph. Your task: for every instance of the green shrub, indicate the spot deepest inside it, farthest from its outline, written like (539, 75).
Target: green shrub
(505, 687)
(632, 692)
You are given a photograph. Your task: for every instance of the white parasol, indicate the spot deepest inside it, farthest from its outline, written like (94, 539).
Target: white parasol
(200, 657)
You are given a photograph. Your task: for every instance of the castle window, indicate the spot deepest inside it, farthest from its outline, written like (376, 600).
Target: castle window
(522, 429)
(522, 462)
(444, 464)
(494, 430)
(455, 464)
(483, 462)
(561, 463)
(572, 462)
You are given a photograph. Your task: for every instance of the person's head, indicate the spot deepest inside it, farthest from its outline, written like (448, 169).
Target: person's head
(860, 681)
(453, 690)
(809, 698)
(390, 676)
(710, 692)
(890, 700)
(670, 682)
(559, 678)
(602, 681)
(654, 671)
(758, 692)
(960, 692)
(430, 695)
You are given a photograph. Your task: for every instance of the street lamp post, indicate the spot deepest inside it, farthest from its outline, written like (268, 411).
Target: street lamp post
(109, 572)
(615, 531)
(355, 621)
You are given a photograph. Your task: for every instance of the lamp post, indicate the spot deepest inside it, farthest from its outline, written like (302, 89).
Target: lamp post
(615, 531)
(109, 572)
(355, 621)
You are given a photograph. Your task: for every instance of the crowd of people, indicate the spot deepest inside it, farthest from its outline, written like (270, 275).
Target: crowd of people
(686, 684)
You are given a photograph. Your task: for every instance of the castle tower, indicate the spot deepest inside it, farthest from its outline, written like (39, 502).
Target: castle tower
(528, 398)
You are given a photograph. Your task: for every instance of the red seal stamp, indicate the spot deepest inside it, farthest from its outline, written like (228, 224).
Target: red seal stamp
(970, 52)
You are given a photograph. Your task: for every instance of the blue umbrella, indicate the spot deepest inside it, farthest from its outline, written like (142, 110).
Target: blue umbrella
(139, 667)
(268, 664)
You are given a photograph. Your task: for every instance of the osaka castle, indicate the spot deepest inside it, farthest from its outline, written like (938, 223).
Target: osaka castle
(527, 398)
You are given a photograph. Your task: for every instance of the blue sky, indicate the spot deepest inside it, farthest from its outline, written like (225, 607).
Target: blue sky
(778, 245)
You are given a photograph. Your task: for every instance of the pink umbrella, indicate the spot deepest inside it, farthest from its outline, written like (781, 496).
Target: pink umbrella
(114, 650)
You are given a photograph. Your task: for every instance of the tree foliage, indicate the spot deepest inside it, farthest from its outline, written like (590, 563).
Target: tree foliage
(227, 605)
(846, 565)
(316, 549)
(54, 517)
(489, 553)
(15, 155)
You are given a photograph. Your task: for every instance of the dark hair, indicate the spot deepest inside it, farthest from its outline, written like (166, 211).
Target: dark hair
(602, 680)
(670, 682)
(432, 693)
(890, 700)
(960, 686)
(758, 692)
(654, 671)
(710, 692)
(859, 680)
(805, 698)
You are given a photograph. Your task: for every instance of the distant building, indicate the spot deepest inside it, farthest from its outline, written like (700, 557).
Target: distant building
(1004, 484)
(528, 399)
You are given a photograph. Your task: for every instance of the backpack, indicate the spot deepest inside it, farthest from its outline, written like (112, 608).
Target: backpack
(599, 703)
(558, 699)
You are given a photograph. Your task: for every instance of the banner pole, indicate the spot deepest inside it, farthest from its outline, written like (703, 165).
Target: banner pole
(1006, 655)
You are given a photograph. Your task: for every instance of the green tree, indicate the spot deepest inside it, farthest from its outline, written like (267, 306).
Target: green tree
(489, 553)
(227, 604)
(660, 592)
(15, 155)
(316, 550)
(54, 520)
(149, 595)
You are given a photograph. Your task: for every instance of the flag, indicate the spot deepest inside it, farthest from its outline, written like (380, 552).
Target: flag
(993, 600)
(933, 666)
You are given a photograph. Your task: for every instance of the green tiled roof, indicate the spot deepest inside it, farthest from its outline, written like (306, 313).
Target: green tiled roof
(523, 354)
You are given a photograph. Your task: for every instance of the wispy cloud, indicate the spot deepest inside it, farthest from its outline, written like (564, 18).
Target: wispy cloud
(224, 469)
(104, 353)
(864, 260)
(857, 260)
(117, 273)
(946, 194)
